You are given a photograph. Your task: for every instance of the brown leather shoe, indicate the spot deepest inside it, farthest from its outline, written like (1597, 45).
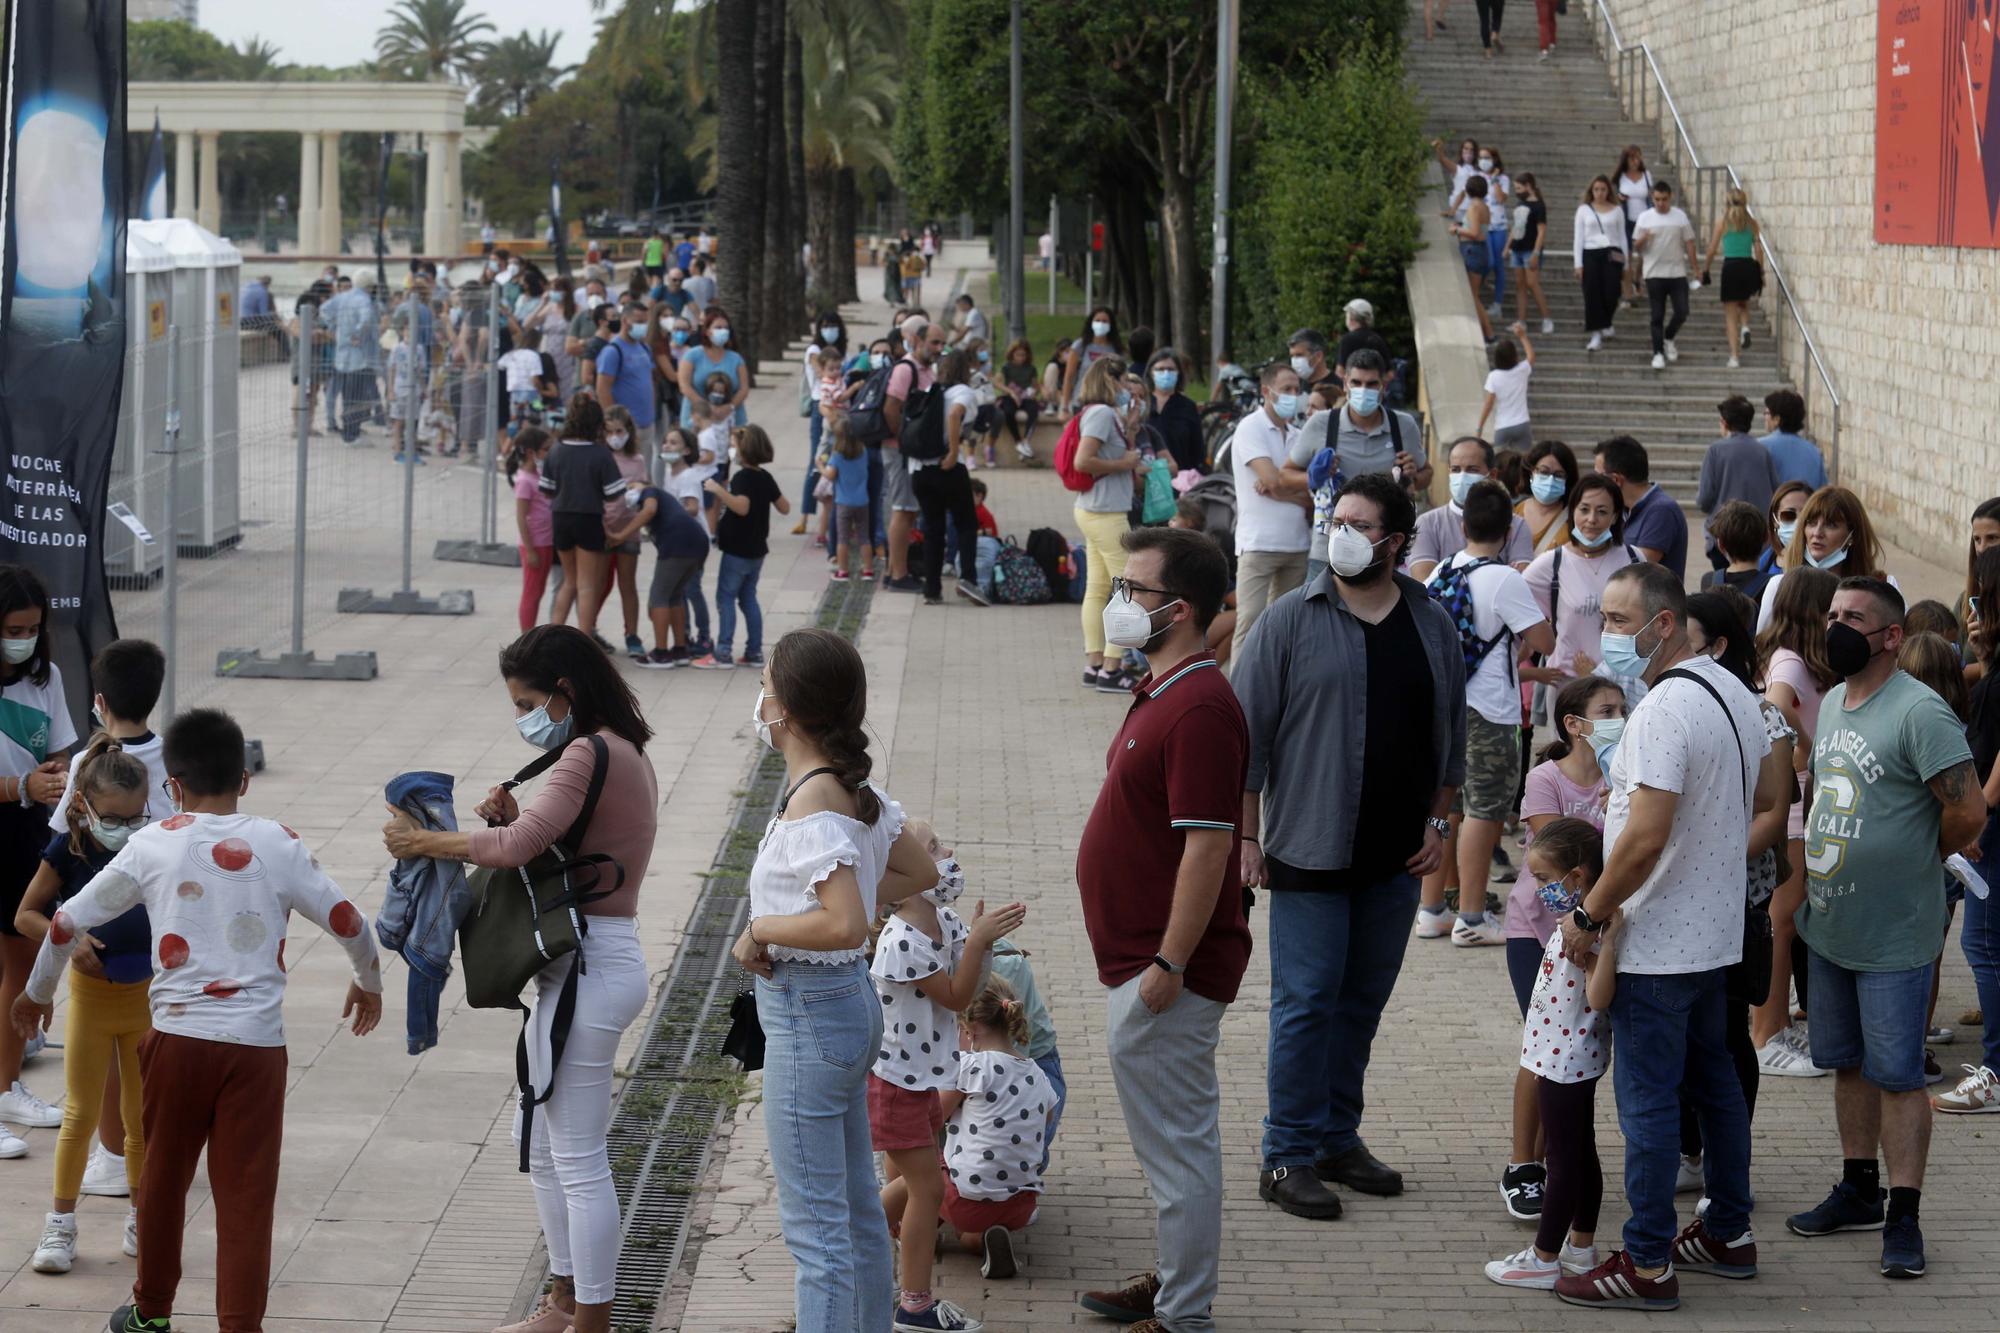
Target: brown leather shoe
(1133, 1305)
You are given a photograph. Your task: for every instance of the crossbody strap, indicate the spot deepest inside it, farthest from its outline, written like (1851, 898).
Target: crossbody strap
(1742, 756)
(808, 776)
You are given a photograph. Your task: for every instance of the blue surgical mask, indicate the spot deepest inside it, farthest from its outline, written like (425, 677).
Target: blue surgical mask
(680, 337)
(1461, 486)
(985, 357)
(1366, 401)
(1591, 543)
(1622, 656)
(829, 334)
(537, 730)
(1165, 380)
(17, 651)
(720, 337)
(1124, 400)
(1827, 561)
(1605, 733)
(1787, 531)
(1549, 488)
(1286, 405)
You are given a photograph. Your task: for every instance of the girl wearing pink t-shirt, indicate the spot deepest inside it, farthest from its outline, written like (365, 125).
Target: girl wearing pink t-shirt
(531, 518)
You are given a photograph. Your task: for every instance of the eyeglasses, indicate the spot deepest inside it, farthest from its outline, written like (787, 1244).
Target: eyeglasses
(117, 821)
(1358, 527)
(1125, 588)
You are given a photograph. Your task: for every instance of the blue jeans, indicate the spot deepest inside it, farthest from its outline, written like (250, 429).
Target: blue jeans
(697, 605)
(1051, 1067)
(736, 585)
(1334, 960)
(1670, 1032)
(1979, 936)
(1871, 1021)
(822, 1025)
(422, 998)
(814, 424)
(874, 452)
(1496, 251)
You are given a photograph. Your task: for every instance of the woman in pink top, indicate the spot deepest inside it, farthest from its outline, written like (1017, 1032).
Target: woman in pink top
(565, 691)
(531, 518)
(1569, 783)
(1568, 582)
(1792, 650)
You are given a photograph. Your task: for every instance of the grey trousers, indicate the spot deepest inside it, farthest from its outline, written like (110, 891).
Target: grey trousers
(1163, 1066)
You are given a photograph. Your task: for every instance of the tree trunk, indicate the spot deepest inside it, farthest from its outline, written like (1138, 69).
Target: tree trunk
(1163, 315)
(739, 170)
(1183, 263)
(846, 226)
(795, 166)
(774, 305)
(823, 229)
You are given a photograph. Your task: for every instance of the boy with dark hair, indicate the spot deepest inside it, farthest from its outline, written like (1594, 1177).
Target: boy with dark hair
(1740, 534)
(219, 888)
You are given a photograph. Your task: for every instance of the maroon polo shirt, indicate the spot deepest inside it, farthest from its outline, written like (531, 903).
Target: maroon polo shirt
(1179, 762)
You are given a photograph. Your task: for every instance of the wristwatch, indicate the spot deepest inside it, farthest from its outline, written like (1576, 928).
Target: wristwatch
(1443, 826)
(1583, 921)
(1172, 969)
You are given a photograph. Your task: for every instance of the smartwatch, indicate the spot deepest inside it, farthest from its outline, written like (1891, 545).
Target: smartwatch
(1172, 969)
(1443, 826)
(1583, 921)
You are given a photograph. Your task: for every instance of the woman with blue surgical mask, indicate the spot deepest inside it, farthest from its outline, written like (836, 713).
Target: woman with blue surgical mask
(1174, 414)
(1568, 584)
(1833, 534)
(1098, 339)
(1552, 475)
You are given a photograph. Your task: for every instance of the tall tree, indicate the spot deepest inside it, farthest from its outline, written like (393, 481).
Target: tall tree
(432, 39)
(739, 194)
(516, 70)
(774, 305)
(850, 88)
(795, 162)
(257, 59)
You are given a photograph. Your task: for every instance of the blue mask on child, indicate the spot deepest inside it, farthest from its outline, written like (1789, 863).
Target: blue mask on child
(1558, 897)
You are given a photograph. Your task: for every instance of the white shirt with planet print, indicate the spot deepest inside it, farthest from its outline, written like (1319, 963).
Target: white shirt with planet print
(218, 891)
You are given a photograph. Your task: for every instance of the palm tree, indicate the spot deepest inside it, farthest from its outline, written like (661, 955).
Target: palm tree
(739, 193)
(851, 87)
(516, 70)
(256, 59)
(432, 39)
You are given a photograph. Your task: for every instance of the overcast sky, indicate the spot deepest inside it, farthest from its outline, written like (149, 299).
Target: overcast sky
(343, 33)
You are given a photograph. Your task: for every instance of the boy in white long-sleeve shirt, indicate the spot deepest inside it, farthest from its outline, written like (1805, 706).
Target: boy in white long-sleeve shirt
(218, 888)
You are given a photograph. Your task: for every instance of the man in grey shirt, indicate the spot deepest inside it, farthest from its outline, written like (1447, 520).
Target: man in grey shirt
(1441, 531)
(1353, 691)
(1366, 437)
(1736, 467)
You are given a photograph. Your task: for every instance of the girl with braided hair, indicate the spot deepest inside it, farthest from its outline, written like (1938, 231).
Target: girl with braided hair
(998, 1115)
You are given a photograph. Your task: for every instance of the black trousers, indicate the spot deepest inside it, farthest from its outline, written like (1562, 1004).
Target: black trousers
(1009, 405)
(1575, 1188)
(1659, 291)
(1489, 19)
(941, 491)
(1600, 289)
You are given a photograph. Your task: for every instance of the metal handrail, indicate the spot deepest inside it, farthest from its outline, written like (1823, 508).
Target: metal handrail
(1618, 53)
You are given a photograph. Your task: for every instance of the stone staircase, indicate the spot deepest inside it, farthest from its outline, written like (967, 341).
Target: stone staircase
(1560, 120)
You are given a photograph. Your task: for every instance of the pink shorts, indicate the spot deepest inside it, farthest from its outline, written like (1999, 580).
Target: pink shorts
(969, 1217)
(902, 1118)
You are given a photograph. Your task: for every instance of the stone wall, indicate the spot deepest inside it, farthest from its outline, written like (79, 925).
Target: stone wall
(1784, 91)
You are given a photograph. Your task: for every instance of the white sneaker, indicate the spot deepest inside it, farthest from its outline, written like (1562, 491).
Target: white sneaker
(1488, 931)
(1024, 449)
(57, 1252)
(1689, 1179)
(1596, 343)
(1659, 362)
(547, 1318)
(1544, 55)
(131, 1246)
(22, 1107)
(1612, 333)
(1526, 1269)
(971, 463)
(1734, 364)
(12, 1144)
(1548, 326)
(104, 1174)
(1575, 1260)
(1673, 352)
(1796, 1035)
(1977, 1093)
(1433, 925)
(1780, 1059)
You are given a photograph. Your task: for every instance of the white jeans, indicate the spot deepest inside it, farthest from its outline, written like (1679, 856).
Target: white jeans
(567, 1162)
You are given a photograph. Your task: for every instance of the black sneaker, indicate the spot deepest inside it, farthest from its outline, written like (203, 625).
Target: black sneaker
(1933, 1072)
(997, 1254)
(1091, 675)
(905, 584)
(1116, 682)
(1521, 1188)
(1902, 1249)
(1842, 1210)
(127, 1319)
(610, 648)
(660, 659)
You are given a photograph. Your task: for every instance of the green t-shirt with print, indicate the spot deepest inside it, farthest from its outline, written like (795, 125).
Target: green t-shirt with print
(1874, 880)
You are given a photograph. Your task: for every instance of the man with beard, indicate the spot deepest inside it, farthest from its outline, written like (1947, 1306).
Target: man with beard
(1352, 822)
(1157, 867)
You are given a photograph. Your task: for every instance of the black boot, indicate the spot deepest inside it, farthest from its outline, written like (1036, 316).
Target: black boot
(1299, 1193)
(1358, 1170)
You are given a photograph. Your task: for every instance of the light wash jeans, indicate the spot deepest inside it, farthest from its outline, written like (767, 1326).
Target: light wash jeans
(822, 1026)
(567, 1161)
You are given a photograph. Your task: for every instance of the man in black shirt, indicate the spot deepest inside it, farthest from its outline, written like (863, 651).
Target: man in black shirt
(1361, 333)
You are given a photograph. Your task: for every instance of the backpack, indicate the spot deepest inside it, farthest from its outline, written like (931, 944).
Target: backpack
(1072, 478)
(1017, 579)
(1050, 550)
(922, 435)
(1452, 589)
(1079, 573)
(525, 918)
(866, 420)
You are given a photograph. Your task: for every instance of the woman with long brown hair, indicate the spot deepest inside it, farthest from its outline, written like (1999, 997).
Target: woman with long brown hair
(1635, 192)
(1601, 249)
(1833, 534)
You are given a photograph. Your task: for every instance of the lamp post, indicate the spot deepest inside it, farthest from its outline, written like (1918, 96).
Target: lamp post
(1225, 108)
(1010, 253)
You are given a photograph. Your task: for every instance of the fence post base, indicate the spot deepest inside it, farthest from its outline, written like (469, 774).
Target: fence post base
(478, 553)
(364, 602)
(251, 664)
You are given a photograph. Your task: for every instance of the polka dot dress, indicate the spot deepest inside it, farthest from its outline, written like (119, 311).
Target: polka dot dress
(993, 1141)
(1564, 1039)
(919, 1037)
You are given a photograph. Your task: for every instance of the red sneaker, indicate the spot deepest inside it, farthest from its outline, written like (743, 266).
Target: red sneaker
(1613, 1285)
(1696, 1250)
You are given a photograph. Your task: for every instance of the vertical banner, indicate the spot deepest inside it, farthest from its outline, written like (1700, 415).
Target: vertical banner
(1937, 123)
(62, 307)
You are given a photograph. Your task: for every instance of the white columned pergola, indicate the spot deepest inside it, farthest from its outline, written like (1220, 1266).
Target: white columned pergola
(319, 113)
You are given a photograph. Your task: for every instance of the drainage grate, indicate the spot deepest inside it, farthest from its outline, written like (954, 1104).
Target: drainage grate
(681, 1084)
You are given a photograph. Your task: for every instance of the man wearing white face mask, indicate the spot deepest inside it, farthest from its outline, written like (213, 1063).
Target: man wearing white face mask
(1273, 535)
(1308, 355)
(1158, 868)
(1354, 695)
(1441, 532)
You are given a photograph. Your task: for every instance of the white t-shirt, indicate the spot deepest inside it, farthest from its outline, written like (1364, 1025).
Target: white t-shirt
(1688, 916)
(919, 1036)
(686, 484)
(1637, 194)
(993, 1141)
(1501, 601)
(1564, 1040)
(219, 891)
(146, 749)
(523, 367)
(711, 440)
(1667, 235)
(1262, 522)
(796, 855)
(34, 723)
(958, 395)
(1510, 395)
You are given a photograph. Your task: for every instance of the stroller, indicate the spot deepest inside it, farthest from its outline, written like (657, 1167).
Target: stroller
(1216, 494)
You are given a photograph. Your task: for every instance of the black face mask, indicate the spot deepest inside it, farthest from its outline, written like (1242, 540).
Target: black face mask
(1847, 649)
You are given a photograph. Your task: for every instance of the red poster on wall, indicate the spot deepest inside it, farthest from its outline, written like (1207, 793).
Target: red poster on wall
(1937, 123)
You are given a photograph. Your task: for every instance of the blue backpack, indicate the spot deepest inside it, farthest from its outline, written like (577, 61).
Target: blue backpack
(1452, 589)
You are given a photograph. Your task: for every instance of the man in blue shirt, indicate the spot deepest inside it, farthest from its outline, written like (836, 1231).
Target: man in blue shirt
(1798, 458)
(254, 310)
(1654, 523)
(684, 254)
(625, 372)
(351, 316)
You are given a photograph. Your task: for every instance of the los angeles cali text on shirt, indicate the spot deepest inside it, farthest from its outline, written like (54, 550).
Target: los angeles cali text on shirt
(1834, 824)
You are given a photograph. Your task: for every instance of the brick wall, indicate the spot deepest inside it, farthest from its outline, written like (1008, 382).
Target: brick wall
(1784, 91)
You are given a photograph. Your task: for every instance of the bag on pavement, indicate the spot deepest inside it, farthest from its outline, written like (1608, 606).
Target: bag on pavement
(1017, 579)
(1050, 549)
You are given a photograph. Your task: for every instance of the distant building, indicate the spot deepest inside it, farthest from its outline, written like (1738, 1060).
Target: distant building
(186, 10)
